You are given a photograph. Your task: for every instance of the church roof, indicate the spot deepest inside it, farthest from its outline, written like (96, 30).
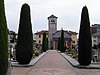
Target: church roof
(73, 33)
(52, 16)
(41, 32)
(57, 34)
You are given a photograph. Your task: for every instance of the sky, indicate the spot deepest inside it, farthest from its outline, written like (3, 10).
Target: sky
(67, 11)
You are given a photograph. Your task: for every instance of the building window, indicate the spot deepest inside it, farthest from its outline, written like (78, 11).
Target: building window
(73, 41)
(39, 36)
(39, 41)
(94, 40)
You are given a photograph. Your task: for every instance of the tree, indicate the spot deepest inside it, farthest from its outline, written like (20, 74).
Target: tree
(24, 46)
(44, 43)
(62, 41)
(47, 43)
(85, 44)
(59, 43)
(3, 40)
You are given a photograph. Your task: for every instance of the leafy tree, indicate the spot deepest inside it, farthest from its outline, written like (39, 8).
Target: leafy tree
(24, 46)
(3, 40)
(85, 44)
(44, 43)
(62, 41)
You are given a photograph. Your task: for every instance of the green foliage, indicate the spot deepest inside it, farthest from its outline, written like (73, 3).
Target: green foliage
(3, 40)
(24, 48)
(37, 53)
(85, 44)
(62, 49)
(69, 50)
(59, 43)
(44, 42)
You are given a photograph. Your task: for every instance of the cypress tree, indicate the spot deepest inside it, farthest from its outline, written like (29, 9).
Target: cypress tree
(85, 44)
(3, 40)
(59, 43)
(62, 41)
(24, 46)
(44, 42)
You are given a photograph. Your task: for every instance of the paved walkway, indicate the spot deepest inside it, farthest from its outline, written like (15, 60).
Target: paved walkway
(53, 63)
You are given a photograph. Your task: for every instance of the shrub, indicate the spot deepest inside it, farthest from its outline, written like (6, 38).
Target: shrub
(37, 53)
(69, 50)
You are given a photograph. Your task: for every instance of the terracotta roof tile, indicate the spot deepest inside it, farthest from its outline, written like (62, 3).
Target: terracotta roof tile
(41, 32)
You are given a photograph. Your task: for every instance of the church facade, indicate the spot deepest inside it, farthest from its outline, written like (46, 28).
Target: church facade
(53, 35)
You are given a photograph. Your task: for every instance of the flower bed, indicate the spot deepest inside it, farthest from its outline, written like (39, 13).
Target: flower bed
(37, 53)
(72, 53)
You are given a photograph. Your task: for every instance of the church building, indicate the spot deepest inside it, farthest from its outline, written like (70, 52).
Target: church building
(53, 35)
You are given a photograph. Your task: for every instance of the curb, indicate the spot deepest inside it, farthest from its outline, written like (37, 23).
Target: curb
(32, 62)
(75, 63)
(72, 61)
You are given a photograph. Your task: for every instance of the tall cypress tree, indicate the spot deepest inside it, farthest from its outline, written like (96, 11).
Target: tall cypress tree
(24, 46)
(3, 40)
(85, 44)
(47, 43)
(59, 43)
(44, 41)
(62, 41)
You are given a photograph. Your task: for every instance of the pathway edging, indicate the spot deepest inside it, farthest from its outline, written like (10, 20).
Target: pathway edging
(75, 63)
(32, 62)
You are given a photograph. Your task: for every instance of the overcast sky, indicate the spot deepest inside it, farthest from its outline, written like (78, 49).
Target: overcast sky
(67, 11)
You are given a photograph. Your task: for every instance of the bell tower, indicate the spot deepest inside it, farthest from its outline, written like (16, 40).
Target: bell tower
(52, 27)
